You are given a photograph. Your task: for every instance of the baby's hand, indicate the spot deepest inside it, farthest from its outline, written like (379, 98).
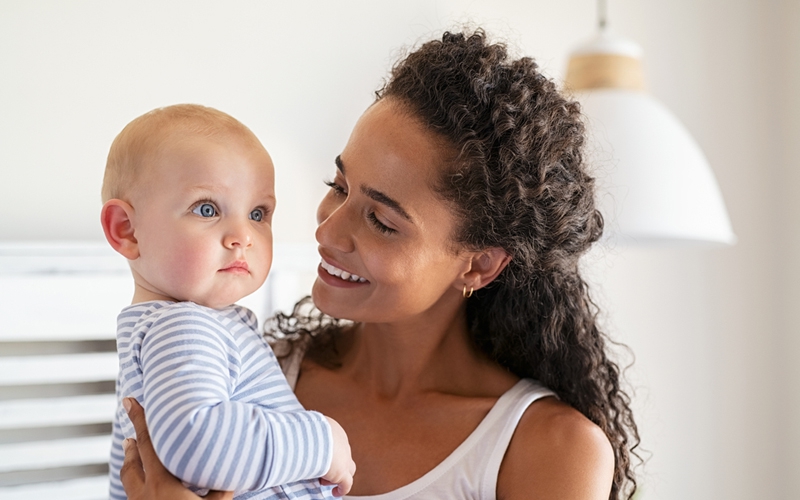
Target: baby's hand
(342, 465)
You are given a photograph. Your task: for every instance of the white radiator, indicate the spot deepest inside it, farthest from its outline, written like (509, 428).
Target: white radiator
(58, 363)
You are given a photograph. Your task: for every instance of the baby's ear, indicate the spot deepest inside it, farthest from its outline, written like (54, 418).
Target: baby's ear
(116, 218)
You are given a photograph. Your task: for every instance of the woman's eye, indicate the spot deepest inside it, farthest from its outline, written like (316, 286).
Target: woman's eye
(337, 189)
(380, 226)
(205, 210)
(257, 215)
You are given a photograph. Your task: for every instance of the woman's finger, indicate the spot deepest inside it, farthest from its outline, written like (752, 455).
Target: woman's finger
(132, 473)
(145, 447)
(219, 495)
(157, 483)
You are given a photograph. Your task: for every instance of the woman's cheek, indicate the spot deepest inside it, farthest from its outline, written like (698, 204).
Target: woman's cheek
(386, 265)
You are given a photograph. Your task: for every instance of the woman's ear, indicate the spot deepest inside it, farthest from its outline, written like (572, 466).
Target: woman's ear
(116, 218)
(486, 265)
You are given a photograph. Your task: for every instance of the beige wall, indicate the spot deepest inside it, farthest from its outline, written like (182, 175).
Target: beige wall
(787, 240)
(714, 331)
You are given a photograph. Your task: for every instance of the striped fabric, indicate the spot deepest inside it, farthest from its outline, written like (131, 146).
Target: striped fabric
(220, 412)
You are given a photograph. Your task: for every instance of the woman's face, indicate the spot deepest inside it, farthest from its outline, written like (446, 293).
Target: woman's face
(384, 235)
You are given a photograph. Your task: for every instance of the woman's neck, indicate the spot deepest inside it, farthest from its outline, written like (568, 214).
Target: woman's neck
(431, 353)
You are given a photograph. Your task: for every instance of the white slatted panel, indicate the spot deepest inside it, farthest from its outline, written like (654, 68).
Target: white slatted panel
(56, 453)
(55, 412)
(63, 293)
(68, 292)
(62, 307)
(87, 367)
(89, 488)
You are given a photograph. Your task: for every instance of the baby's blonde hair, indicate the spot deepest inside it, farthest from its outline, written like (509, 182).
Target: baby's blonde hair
(144, 136)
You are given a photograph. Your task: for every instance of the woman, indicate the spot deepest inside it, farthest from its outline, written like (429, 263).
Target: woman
(450, 240)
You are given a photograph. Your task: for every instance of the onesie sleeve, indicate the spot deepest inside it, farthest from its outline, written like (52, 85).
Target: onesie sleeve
(189, 364)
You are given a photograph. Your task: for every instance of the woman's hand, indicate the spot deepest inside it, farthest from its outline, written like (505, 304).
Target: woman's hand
(157, 483)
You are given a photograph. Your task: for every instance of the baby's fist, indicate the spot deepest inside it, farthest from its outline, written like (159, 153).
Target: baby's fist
(342, 465)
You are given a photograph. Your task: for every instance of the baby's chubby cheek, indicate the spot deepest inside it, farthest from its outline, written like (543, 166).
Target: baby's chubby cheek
(187, 266)
(197, 262)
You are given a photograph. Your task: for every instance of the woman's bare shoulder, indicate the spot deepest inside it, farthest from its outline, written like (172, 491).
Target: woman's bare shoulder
(556, 452)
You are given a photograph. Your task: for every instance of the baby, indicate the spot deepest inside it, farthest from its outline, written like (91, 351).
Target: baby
(188, 198)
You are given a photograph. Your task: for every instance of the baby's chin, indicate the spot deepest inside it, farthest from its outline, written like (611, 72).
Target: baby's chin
(213, 301)
(218, 297)
(220, 303)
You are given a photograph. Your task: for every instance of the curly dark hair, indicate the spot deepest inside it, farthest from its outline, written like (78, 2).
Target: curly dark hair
(520, 183)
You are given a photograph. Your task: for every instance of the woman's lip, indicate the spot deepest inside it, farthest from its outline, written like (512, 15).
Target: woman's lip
(331, 262)
(336, 281)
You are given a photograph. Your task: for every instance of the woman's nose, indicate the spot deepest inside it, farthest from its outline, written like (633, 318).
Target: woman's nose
(238, 236)
(335, 229)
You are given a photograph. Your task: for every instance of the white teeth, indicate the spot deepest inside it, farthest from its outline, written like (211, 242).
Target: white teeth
(335, 271)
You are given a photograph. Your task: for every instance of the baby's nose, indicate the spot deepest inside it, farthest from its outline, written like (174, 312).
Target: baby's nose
(238, 236)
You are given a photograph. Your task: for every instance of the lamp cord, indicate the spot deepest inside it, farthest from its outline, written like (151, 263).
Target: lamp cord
(602, 14)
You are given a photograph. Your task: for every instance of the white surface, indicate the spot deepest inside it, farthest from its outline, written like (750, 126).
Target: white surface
(91, 488)
(27, 413)
(59, 257)
(62, 307)
(58, 453)
(654, 183)
(89, 367)
(609, 43)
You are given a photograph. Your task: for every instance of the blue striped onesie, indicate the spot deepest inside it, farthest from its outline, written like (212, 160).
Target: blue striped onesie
(220, 412)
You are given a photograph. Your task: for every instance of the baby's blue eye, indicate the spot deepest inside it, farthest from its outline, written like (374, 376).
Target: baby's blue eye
(205, 210)
(257, 215)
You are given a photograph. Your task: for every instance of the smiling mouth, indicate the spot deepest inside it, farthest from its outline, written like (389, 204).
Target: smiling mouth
(340, 273)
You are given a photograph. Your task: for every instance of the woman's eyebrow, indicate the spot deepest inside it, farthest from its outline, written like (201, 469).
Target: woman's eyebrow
(378, 196)
(386, 200)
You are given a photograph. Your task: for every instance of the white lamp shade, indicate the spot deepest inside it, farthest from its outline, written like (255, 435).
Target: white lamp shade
(654, 184)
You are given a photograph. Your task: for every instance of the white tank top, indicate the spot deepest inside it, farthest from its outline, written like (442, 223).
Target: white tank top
(470, 472)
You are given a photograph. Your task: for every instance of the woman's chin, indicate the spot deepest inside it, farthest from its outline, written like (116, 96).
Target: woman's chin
(334, 301)
(321, 296)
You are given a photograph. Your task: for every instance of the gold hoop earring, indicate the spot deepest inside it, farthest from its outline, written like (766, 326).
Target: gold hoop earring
(467, 294)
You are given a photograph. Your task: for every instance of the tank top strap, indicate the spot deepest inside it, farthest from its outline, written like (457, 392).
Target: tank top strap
(505, 417)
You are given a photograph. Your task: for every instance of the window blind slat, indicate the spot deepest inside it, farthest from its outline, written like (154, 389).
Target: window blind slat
(88, 367)
(57, 412)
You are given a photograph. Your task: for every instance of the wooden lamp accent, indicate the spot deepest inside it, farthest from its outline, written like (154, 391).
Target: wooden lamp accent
(595, 71)
(606, 62)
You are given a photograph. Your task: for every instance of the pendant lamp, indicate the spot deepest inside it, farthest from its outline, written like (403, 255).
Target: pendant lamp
(654, 183)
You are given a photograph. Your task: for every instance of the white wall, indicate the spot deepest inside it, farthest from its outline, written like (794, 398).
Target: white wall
(715, 331)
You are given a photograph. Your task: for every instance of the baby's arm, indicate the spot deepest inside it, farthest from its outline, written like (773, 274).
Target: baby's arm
(189, 361)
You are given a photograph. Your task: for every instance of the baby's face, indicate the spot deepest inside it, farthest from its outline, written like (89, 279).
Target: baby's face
(203, 220)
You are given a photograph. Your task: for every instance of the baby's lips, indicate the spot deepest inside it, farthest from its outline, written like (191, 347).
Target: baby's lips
(239, 264)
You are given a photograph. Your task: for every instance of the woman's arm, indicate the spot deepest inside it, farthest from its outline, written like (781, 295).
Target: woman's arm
(556, 453)
(157, 483)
